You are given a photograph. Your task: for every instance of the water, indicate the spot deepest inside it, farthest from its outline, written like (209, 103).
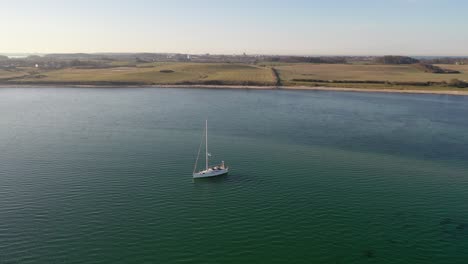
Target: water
(20, 55)
(104, 176)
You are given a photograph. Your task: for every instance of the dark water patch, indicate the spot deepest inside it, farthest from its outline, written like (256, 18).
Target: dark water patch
(446, 221)
(369, 253)
(453, 229)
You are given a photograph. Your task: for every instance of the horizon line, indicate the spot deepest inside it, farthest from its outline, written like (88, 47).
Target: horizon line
(229, 54)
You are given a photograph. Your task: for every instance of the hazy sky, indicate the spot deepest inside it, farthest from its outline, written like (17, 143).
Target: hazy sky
(309, 27)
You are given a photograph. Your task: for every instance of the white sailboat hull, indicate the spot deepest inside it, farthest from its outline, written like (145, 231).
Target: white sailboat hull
(210, 173)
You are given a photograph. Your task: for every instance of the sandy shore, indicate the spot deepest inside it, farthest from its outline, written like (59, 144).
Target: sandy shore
(373, 90)
(318, 88)
(289, 88)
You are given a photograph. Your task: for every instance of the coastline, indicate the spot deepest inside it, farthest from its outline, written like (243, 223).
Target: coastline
(247, 87)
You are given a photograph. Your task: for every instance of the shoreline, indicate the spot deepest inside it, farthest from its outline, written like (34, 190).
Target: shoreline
(246, 87)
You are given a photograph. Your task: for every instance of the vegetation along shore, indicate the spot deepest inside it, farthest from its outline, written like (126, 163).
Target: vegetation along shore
(376, 74)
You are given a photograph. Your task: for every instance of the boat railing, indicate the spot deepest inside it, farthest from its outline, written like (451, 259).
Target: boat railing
(221, 166)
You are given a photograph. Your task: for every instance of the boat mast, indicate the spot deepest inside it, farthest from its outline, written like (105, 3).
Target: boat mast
(206, 143)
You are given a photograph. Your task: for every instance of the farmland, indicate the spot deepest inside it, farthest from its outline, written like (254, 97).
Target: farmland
(344, 75)
(160, 73)
(343, 72)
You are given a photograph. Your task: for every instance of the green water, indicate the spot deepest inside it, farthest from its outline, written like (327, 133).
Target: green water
(104, 176)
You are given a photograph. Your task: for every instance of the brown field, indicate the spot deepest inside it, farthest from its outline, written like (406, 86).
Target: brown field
(461, 68)
(398, 73)
(4, 74)
(151, 74)
(396, 77)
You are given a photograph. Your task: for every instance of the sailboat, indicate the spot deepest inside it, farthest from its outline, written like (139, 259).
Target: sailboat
(209, 171)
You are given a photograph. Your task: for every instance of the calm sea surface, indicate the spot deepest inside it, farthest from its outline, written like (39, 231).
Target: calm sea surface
(104, 176)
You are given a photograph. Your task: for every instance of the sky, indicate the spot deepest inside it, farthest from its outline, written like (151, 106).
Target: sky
(294, 27)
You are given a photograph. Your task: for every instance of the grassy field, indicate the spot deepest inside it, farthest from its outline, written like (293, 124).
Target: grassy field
(399, 73)
(164, 73)
(461, 68)
(330, 75)
(4, 74)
